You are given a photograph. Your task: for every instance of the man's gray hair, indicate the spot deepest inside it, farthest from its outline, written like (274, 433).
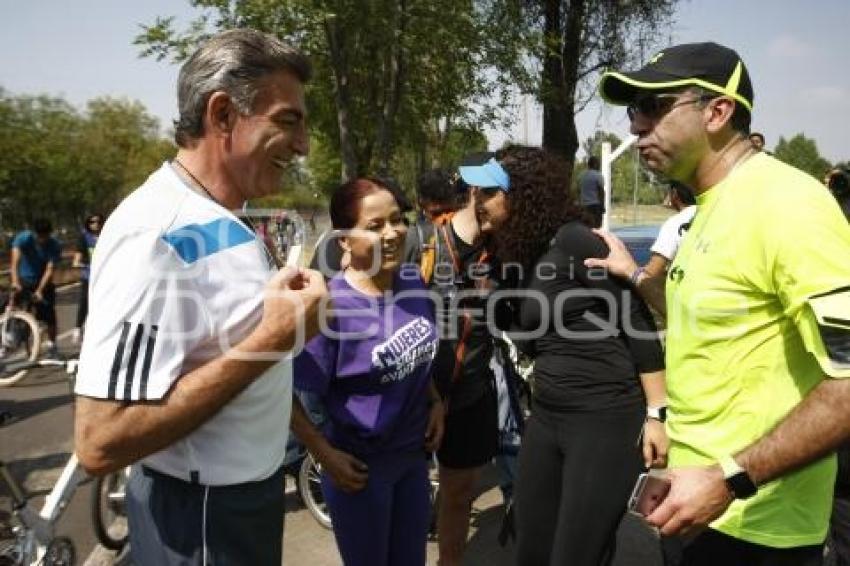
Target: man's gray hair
(232, 61)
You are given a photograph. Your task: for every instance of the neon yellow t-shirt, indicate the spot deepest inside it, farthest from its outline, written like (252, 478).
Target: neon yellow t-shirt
(766, 258)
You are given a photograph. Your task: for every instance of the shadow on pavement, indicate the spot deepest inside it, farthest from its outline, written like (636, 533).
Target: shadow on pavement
(22, 410)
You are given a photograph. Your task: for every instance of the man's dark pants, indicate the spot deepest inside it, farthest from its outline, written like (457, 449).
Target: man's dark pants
(173, 522)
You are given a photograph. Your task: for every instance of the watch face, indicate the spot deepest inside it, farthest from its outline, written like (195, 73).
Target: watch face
(741, 485)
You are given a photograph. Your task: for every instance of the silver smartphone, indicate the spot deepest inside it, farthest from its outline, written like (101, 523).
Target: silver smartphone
(649, 492)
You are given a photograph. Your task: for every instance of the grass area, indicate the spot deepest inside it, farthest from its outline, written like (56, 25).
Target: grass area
(628, 215)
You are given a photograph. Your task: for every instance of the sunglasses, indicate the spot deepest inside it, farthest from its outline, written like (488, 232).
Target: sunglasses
(654, 106)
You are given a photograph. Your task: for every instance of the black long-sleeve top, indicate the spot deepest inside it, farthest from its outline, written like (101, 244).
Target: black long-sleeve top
(599, 334)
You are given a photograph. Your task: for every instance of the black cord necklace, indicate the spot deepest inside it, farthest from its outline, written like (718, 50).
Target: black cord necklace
(270, 258)
(197, 182)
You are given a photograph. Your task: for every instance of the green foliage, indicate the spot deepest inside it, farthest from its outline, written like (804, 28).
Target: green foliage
(392, 78)
(61, 163)
(629, 179)
(802, 153)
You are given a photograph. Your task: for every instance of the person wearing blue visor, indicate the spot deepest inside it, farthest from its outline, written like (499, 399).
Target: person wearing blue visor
(491, 200)
(598, 365)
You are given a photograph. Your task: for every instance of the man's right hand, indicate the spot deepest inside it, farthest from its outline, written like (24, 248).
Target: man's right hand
(291, 307)
(346, 472)
(619, 261)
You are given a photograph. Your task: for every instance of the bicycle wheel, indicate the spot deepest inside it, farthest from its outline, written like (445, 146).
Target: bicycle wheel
(19, 343)
(108, 513)
(310, 486)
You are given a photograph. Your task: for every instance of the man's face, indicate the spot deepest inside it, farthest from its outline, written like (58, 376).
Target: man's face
(491, 208)
(265, 143)
(757, 142)
(670, 130)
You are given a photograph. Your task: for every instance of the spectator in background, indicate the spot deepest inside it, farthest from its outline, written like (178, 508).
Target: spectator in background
(666, 245)
(757, 139)
(437, 196)
(591, 188)
(35, 254)
(82, 260)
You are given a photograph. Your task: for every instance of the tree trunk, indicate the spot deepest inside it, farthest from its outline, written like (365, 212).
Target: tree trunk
(570, 65)
(393, 92)
(342, 97)
(560, 73)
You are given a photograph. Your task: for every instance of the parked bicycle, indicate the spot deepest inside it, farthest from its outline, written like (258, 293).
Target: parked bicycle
(108, 511)
(20, 337)
(33, 538)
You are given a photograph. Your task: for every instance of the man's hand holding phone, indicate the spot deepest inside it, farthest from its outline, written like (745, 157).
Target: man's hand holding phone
(648, 493)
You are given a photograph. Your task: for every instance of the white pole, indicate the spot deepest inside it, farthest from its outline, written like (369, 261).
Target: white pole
(525, 119)
(607, 159)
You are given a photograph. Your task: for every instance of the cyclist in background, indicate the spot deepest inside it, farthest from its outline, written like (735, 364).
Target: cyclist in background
(35, 253)
(82, 260)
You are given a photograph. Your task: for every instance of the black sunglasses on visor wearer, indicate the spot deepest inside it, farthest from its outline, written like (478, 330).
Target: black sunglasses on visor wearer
(654, 106)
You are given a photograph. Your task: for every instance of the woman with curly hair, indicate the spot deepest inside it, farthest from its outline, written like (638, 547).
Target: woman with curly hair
(598, 375)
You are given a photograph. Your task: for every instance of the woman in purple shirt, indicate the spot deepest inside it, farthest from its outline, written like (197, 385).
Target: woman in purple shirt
(371, 368)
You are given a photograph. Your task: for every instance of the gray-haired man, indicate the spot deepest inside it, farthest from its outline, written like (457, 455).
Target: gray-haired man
(177, 371)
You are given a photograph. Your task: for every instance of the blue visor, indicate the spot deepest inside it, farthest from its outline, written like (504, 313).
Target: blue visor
(490, 174)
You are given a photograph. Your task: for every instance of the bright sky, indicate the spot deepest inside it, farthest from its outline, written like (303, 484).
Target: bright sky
(796, 52)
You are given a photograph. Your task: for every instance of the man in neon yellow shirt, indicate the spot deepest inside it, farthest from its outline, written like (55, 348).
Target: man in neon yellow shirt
(758, 306)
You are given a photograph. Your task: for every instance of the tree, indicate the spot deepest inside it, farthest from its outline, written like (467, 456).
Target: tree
(60, 163)
(581, 38)
(389, 74)
(802, 153)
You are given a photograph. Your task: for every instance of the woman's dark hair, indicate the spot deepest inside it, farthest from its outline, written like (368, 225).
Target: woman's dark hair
(539, 203)
(346, 199)
(684, 192)
(439, 186)
(42, 226)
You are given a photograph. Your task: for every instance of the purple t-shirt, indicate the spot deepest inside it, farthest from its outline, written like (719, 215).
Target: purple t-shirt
(371, 367)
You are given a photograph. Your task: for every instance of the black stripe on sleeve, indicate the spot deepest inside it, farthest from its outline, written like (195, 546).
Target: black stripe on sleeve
(146, 364)
(131, 364)
(116, 362)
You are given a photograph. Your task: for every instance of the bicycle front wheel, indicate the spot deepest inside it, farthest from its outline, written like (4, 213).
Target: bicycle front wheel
(19, 343)
(310, 487)
(108, 513)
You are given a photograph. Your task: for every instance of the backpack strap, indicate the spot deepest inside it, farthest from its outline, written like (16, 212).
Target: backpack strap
(460, 349)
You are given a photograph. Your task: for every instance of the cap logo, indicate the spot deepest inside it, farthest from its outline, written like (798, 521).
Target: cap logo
(734, 80)
(655, 59)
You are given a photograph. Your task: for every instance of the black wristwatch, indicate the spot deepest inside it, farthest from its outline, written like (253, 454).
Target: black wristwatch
(739, 482)
(657, 413)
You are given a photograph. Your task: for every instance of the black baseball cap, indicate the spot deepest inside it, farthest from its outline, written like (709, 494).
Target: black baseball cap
(707, 65)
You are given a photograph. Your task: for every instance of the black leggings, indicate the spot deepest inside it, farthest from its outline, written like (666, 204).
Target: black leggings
(576, 471)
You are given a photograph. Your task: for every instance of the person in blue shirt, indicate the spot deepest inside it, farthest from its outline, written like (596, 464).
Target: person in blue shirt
(35, 254)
